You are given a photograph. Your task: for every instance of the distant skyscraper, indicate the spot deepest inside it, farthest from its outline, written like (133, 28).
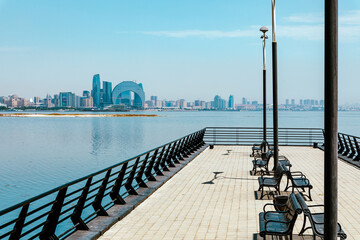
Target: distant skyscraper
(107, 91)
(219, 103)
(231, 104)
(137, 99)
(301, 102)
(86, 93)
(287, 101)
(96, 90)
(292, 101)
(322, 102)
(217, 99)
(244, 101)
(154, 98)
(67, 99)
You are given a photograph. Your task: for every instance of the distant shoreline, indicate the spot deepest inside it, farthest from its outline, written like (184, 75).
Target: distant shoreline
(73, 115)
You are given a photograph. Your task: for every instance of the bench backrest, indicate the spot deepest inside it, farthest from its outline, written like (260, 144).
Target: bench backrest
(279, 171)
(302, 203)
(268, 155)
(294, 210)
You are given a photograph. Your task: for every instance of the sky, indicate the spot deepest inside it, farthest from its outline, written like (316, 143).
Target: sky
(177, 49)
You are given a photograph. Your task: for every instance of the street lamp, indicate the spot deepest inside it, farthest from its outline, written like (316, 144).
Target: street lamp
(275, 94)
(264, 37)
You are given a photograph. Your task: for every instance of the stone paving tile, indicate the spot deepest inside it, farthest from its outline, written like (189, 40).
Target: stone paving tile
(186, 208)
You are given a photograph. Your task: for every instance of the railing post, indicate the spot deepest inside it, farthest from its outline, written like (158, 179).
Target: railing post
(164, 160)
(150, 167)
(99, 209)
(20, 223)
(139, 176)
(169, 156)
(214, 136)
(180, 150)
(128, 184)
(352, 153)
(157, 163)
(174, 151)
(340, 141)
(76, 216)
(48, 231)
(115, 191)
(357, 157)
(346, 146)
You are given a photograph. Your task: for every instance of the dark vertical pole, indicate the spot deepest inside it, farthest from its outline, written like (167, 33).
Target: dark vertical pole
(275, 94)
(264, 102)
(331, 118)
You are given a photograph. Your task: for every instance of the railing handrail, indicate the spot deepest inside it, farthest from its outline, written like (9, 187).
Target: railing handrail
(249, 135)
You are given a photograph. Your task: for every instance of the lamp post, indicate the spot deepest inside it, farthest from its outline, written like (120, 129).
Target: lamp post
(264, 37)
(331, 120)
(275, 95)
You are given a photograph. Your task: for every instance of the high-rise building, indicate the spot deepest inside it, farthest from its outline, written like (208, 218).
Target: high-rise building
(107, 90)
(301, 102)
(137, 99)
(292, 101)
(219, 103)
(231, 104)
(322, 102)
(86, 93)
(244, 101)
(287, 101)
(96, 90)
(67, 99)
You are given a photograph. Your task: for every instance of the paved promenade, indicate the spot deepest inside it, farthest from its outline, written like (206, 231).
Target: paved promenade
(196, 205)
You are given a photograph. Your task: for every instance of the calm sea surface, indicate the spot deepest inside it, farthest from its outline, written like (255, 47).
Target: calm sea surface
(38, 154)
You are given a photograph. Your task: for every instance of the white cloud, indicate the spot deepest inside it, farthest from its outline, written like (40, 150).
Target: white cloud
(206, 33)
(306, 18)
(351, 18)
(308, 26)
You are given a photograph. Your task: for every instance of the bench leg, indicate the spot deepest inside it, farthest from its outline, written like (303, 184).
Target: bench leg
(310, 194)
(303, 227)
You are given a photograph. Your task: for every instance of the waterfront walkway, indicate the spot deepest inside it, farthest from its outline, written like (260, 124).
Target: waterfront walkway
(195, 205)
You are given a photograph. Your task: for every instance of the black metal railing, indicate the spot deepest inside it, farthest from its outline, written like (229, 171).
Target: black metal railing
(348, 146)
(251, 135)
(58, 213)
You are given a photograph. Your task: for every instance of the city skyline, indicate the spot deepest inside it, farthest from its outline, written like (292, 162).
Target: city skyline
(202, 49)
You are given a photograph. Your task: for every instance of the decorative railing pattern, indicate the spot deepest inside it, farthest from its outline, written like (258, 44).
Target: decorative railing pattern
(251, 135)
(349, 146)
(58, 213)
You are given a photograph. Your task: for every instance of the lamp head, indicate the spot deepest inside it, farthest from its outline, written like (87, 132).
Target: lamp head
(264, 29)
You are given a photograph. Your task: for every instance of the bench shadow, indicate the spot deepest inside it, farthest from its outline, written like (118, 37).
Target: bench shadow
(216, 177)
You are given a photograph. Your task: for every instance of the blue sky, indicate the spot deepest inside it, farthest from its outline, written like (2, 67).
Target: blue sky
(177, 49)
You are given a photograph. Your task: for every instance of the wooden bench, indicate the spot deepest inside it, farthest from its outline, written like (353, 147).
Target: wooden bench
(280, 223)
(316, 219)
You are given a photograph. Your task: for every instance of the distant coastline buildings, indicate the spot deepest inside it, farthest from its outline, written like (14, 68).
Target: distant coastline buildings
(129, 95)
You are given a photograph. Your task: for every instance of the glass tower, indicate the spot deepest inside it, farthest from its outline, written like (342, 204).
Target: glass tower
(231, 104)
(107, 90)
(96, 90)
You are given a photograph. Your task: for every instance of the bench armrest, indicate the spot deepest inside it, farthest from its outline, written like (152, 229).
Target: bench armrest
(298, 173)
(274, 221)
(273, 204)
(268, 212)
(320, 205)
